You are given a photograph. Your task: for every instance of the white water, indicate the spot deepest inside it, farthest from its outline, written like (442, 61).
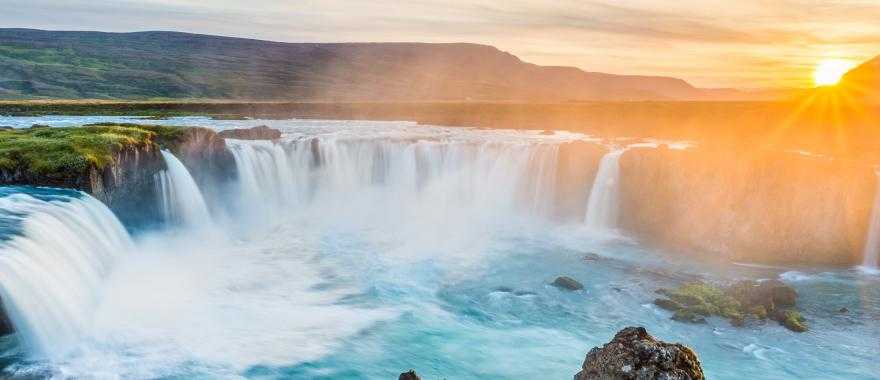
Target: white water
(53, 271)
(603, 205)
(182, 201)
(872, 244)
(404, 181)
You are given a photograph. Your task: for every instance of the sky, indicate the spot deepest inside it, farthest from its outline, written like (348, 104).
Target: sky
(709, 43)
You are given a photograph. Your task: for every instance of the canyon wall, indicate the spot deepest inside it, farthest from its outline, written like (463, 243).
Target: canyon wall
(750, 206)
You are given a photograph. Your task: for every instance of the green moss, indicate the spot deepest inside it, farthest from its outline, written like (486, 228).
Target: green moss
(59, 152)
(699, 299)
(793, 320)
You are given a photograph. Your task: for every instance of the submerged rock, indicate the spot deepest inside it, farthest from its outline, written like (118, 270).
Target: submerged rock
(635, 354)
(568, 283)
(256, 133)
(667, 304)
(409, 375)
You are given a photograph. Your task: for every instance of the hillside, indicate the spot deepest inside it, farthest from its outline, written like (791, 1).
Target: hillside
(52, 64)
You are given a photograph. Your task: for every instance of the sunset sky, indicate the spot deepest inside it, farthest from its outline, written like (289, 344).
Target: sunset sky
(710, 43)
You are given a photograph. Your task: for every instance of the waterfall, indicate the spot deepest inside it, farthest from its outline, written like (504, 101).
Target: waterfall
(182, 202)
(398, 178)
(603, 203)
(872, 244)
(52, 268)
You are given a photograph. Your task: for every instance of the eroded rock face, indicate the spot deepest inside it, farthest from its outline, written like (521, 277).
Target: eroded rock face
(634, 354)
(256, 133)
(768, 207)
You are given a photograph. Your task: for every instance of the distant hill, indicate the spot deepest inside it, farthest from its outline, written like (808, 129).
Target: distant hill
(56, 64)
(864, 80)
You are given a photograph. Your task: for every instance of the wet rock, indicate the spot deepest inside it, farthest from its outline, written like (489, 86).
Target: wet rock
(504, 289)
(743, 300)
(592, 257)
(635, 354)
(667, 304)
(409, 375)
(568, 283)
(687, 316)
(843, 310)
(256, 133)
(791, 319)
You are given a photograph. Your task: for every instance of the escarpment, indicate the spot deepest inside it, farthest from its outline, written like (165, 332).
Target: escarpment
(770, 207)
(115, 163)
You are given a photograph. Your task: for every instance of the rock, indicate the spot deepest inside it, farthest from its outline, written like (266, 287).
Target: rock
(667, 304)
(791, 319)
(843, 310)
(687, 316)
(409, 375)
(635, 354)
(592, 257)
(256, 133)
(568, 283)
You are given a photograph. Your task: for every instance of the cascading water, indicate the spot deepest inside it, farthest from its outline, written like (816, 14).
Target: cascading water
(53, 265)
(404, 179)
(182, 201)
(872, 244)
(602, 204)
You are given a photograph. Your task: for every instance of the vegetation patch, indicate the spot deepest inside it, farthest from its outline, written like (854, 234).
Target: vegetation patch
(745, 300)
(43, 151)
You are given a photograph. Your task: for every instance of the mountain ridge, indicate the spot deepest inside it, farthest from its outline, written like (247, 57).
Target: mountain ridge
(166, 64)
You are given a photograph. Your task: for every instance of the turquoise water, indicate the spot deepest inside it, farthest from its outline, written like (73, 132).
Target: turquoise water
(351, 286)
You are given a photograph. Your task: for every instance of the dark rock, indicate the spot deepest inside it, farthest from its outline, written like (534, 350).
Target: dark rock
(521, 293)
(635, 354)
(504, 289)
(843, 310)
(409, 375)
(256, 133)
(592, 257)
(568, 283)
(667, 304)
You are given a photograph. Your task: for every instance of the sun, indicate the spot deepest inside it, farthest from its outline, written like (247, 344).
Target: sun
(828, 72)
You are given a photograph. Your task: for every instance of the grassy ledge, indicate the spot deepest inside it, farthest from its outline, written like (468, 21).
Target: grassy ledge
(44, 151)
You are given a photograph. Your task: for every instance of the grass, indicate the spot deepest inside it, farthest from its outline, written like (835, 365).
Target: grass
(59, 151)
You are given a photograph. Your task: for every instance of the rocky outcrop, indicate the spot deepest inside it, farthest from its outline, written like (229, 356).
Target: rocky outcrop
(753, 206)
(121, 173)
(634, 354)
(567, 283)
(261, 132)
(739, 302)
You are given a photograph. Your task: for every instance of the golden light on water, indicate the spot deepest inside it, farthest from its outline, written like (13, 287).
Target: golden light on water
(828, 72)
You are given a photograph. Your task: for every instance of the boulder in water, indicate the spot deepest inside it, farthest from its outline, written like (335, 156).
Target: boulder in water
(567, 283)
(409, 375)
(694, 301)
(635, 354)
(256, 133)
